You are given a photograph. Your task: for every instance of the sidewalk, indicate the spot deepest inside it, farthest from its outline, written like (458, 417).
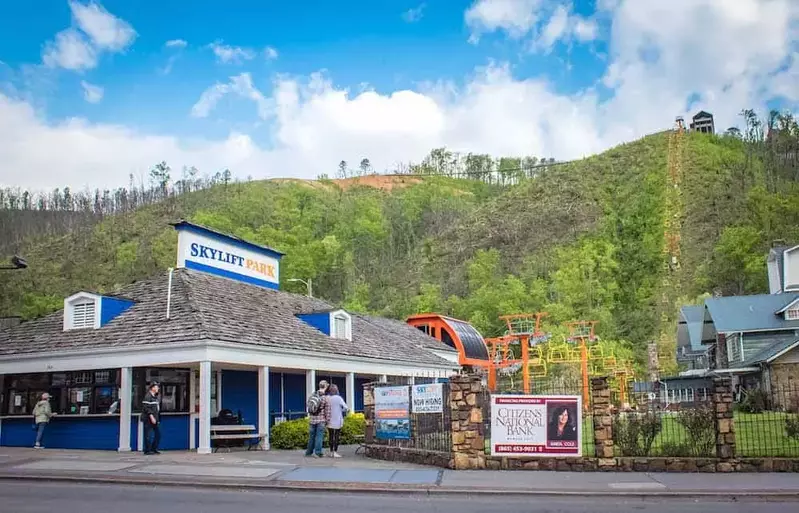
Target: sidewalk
(291, 470)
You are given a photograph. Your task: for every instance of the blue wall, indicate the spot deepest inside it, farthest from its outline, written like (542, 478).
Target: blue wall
(174, 432)
(111, 307)
(320, 321)
(101, 433)
(240, 392)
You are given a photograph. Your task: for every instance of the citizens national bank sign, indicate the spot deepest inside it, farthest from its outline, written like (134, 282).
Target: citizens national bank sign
(534, 425)
(205, 250)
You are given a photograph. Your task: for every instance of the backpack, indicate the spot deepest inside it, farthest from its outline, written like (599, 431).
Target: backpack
(314, 405)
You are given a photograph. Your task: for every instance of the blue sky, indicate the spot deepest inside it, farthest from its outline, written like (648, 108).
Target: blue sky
(273, 88)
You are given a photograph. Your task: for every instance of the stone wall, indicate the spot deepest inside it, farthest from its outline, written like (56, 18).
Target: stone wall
(468, 404)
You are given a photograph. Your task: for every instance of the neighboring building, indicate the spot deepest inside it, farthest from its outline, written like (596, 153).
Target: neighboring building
(755, 338)
(216, 333)
(703, 122)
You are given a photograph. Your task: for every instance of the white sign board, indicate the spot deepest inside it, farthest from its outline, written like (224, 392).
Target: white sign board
(428, 398)
(228, 257)
(534, 425)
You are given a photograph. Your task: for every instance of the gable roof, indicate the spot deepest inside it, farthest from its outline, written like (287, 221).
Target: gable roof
(689, 327)
(207, 307)
(750, 313)
(409, 332)
(702, 114)
(771, 353)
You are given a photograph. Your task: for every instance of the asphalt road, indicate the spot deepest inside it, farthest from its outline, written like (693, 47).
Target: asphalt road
(42, 497)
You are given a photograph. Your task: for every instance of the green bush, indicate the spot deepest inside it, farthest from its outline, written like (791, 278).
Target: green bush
(700, 428)
(792, 427)
(293, 434)
(636, 433)
(754, 401)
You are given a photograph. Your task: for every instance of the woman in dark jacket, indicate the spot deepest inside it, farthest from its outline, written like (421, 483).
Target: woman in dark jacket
(562, 425)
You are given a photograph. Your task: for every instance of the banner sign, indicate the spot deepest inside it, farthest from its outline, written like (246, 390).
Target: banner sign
(428, 398)
(392, 416)
(534, 425)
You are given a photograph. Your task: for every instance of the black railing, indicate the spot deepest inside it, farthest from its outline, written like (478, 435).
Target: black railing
(767, 422)
(428, 431)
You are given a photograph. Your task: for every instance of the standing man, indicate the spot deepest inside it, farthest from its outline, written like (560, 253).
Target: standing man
(150, 415)
(318, 417)
(42, 413)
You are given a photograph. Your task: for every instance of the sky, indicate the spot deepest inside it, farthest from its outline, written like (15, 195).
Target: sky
(94, 92)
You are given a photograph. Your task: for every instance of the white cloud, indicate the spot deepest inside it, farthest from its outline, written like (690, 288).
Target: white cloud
(733, 55)
(106, 31)
(585, 29)
(240, 85)
(231, 54)
(516, 17)
(92, 93)
(415, 14)
(78, 47)
(176, 43)
(270, 53)
(69, 50)
(555, 29)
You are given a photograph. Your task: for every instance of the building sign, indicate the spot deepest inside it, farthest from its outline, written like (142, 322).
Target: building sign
(428, 398)
(207, 251)
(534, 425)
(392, 418)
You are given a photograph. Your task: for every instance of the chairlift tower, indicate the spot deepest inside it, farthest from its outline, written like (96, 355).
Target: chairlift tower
(523, 330)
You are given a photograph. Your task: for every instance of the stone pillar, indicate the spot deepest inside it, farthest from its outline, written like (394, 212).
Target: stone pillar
(467, 395)
(603, 422)
(725, 425)
(369, 412)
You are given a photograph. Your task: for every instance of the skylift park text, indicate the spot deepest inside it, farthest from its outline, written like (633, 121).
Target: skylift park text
(209, 253)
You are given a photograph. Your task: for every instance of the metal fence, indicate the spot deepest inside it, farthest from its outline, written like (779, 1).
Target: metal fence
(767, 422)
(428, 431)
(667, 423)
(544, 388)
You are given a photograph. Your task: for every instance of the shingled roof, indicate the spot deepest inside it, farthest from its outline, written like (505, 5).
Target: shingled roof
(206, 307)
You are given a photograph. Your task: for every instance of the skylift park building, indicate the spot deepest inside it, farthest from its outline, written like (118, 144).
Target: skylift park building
(216, 332)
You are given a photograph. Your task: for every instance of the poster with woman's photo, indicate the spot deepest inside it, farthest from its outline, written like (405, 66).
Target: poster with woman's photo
(534, 425)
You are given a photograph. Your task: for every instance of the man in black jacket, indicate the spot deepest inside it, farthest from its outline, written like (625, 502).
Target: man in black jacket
(151, 417)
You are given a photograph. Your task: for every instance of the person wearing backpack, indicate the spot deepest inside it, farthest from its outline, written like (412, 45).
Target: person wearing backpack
(318, 416)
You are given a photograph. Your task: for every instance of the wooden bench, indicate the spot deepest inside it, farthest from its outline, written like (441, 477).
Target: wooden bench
(243, 432)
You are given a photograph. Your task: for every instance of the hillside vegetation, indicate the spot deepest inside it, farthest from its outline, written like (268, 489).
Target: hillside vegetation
(580, 240)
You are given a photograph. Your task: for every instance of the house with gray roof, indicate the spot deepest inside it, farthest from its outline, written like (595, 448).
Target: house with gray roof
(753, 338)
(217, 334)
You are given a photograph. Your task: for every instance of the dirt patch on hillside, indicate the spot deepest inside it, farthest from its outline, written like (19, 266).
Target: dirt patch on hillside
(384, 182)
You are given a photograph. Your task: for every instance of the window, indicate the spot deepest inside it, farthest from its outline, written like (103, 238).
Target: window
(340, 325)
(174, 393)
(424, 328)
(792, 314)
(71, 393)
(83, 315)
(734, 349)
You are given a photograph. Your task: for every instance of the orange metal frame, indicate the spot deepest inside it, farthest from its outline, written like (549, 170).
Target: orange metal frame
(439, 324)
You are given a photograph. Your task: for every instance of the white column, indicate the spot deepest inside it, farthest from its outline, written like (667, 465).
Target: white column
(384, 379)
(140, 437)
(125, 407)
(310, 382)
(411, 380)
(192, 409)
(263, 405)
(351, 390)
(205, 408)
(218, 392)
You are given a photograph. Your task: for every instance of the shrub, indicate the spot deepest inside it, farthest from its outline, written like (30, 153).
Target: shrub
(754, 401)
(792, 427)
(635, 434)
(676, 450)
(700, 427)
(293, 434)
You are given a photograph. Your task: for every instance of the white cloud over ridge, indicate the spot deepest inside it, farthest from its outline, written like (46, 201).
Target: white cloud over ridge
(732, 56)
(227, 54)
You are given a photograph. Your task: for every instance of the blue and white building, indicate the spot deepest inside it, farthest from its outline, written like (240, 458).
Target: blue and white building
(216, 332)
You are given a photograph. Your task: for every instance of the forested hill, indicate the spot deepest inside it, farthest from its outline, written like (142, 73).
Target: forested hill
(583, 240)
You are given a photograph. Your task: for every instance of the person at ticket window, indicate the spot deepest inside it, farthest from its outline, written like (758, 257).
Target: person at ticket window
(562, 425)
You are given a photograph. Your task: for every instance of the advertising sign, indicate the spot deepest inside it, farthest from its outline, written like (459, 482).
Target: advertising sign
(392, 417)
(428, 398)
(534, 425)
(215, 255)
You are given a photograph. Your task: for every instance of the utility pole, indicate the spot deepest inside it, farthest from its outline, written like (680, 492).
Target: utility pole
(307, 284)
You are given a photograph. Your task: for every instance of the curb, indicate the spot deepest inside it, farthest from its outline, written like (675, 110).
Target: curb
(381, 488)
